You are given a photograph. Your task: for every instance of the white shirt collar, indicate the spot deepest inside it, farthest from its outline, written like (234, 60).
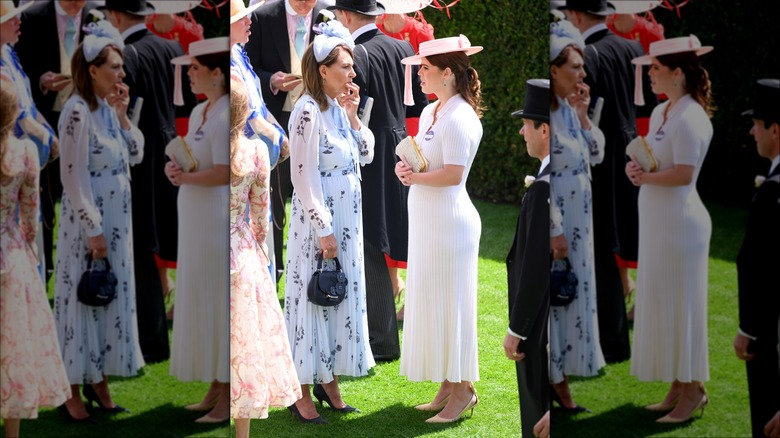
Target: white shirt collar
(592, 30)
(362, 30)
(133, 29)
(59, 10)
(775, 162)
(545, 162)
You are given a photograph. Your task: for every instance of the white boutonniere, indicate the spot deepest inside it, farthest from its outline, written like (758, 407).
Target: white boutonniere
(529, 180)
(759, 180)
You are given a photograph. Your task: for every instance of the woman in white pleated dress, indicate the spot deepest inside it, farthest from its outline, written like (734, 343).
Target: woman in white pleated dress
(440, 325)
(670, 323)
(201, 329)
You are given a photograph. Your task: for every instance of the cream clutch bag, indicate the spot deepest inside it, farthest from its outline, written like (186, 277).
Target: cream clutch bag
(409, 149)
(640, 151)
(180, 151)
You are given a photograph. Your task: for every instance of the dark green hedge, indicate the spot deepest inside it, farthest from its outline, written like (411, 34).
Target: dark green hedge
(745, 37)
(515, 36)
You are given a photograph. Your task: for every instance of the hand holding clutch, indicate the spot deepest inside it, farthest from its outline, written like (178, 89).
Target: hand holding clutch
(180, 151)
(640, 151)
(409, 149)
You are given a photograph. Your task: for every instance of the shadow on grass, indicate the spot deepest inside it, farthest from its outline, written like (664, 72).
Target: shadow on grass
(163, 421)
(396, 420)
(632, 421)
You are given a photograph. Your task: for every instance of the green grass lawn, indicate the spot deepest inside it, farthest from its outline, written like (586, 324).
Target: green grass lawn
(387, 399)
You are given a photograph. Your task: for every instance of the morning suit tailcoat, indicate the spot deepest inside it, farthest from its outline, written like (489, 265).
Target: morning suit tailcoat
(610, 76)
(528, 276)
(39, 52)
(759, 299)
(380, 75)
(268, 50)
(150, 76)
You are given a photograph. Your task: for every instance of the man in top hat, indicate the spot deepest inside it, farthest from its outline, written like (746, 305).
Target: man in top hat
(50, 33)
(528, 266)
(610, 76)
(380, 75)
(281, 31)
(757, 262)
(150, 77)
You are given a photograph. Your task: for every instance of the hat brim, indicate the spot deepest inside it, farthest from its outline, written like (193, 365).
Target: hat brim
(187, 59)
(15, 11)
(523, 115)
(174, 6)
(245, 12)
(149, 10)
(406, 6)
(648, 59)
(635, 7)
(609, 10)
(417, 59)
(380, 9)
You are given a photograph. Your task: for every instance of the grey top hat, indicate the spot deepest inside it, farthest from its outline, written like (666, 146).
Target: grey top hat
(537, 101)
(595, 7)
(134, 7)
(766, 101)
(365, 7)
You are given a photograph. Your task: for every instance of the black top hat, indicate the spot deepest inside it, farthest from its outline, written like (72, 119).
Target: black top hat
(766, 102)
(537, 101)
(365, 7)
(134, 7)
(595, 7)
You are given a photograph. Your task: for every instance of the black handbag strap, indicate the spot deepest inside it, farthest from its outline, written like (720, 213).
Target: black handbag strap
(89, 262)
(319, 263)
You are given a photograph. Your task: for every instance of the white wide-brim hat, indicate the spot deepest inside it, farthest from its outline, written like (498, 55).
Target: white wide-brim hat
(660, 48)
(404, 6)
(203, 47)
(634, 6)
(9, 11)
(174, 6)
(239, 11)
(442, 45)
(197, 48)
(672, 45)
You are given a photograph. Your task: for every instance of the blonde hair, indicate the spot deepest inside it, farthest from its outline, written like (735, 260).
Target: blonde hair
(9, 108)
(239, 112)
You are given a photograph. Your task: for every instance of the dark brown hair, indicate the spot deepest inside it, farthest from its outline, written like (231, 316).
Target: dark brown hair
(561, 59)
(312, 81)
(697, 80)
(219, 61)
(467, 80)
(82, 80)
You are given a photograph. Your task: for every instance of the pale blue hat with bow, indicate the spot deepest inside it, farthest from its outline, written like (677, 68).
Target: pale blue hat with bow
(331, 34)
(99, 35)
(562, 34)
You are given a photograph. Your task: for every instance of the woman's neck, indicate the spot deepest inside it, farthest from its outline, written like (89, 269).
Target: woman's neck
(212, 97)
(393, 23)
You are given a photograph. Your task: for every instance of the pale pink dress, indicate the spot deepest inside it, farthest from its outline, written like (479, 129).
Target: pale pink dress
(261, 366)
(31, 370)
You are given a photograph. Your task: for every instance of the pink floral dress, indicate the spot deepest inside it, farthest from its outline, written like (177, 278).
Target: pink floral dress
(31, 370)
(261, 366)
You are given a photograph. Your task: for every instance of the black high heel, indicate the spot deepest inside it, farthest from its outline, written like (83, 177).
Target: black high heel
(575, 410)
(297, 414)
(66, 413)
(322, 396)
(91, 395)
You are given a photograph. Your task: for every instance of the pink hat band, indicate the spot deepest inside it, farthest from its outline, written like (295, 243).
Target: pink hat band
(673, 45)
